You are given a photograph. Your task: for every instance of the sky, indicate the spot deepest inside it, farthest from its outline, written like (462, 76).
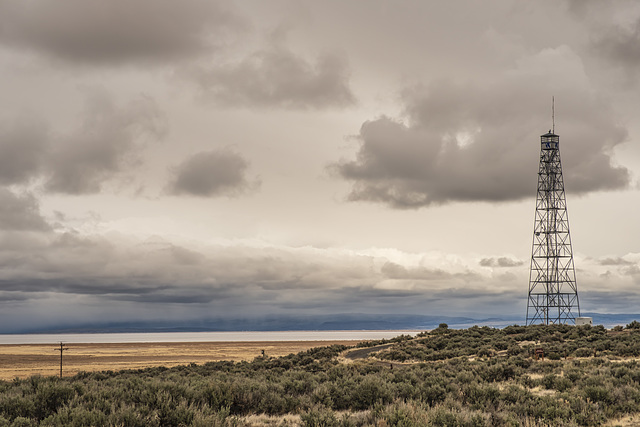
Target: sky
(192, 160)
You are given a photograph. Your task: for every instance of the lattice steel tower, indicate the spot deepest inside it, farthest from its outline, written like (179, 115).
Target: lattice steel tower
(553, 292)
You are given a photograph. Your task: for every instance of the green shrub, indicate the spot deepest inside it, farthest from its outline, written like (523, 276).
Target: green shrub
(12, 406)
(320, 418)
(597, 394)
(633, 325)
(444, 418)
(446, 388)
(23, 422)
(562, 384)
(583, 352)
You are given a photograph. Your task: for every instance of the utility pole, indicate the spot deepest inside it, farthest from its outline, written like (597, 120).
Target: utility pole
(61, 349)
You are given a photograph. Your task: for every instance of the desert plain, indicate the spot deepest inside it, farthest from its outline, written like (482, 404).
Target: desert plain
(24, 360)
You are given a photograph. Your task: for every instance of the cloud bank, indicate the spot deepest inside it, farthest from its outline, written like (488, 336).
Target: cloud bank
(156, 279)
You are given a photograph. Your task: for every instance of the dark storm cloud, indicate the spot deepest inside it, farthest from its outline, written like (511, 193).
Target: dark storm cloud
(116, 31)
(480, 142)
(226, 277)
(374, 293)
(70, 285)
(22, 150)
(20, 212)
(500, 262)
(610, 301)
(106, 144)
(155, 275)
(278, 77)
(212, 173)
(12, 297)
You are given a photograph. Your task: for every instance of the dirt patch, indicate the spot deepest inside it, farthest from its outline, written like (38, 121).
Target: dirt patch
(362, 353)
(539, 391)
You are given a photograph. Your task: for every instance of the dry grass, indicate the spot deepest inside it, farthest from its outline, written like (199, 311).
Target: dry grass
(628, 421)
(44, 359)
(266, 420)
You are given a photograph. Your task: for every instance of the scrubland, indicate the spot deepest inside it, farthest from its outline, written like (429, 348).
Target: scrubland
(25, 360)
(475, 377)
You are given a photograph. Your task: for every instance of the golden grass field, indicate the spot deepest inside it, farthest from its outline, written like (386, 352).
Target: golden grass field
(24, 360)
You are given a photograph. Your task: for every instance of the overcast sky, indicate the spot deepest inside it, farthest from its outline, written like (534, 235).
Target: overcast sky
(194, 159)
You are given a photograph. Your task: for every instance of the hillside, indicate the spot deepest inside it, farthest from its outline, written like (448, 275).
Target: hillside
(474, 377)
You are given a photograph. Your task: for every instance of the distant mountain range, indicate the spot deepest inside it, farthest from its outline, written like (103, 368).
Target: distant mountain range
(333, 322)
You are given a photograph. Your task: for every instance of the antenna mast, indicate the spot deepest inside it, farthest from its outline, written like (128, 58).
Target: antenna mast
(553, 114)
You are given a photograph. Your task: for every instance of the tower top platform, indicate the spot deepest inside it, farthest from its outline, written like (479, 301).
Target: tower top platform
(550, 141)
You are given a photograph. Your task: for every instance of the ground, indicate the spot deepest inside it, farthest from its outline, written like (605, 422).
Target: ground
(44, 359)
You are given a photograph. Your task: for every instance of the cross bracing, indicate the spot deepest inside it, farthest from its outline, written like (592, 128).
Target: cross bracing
(553, 292)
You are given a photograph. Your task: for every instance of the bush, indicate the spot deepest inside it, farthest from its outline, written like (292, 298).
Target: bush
(562, 384)
(23, 422)
(50, 396)
(583, 352)
(444, 418)
(320, 418)
(633, 325)
(313, 384)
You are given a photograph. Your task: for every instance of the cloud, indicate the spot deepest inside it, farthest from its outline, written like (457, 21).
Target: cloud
(114, 32)
(277, 77)
(632, 270)
(106, 144)
(500, 262)
(22, 150)
(150, 279)
(612, 45)
(619, 44)
(223, 279)
(580, 8)
(392, 270)
(614, 261)
(20, 212)
(212, 173)
(479, 141)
